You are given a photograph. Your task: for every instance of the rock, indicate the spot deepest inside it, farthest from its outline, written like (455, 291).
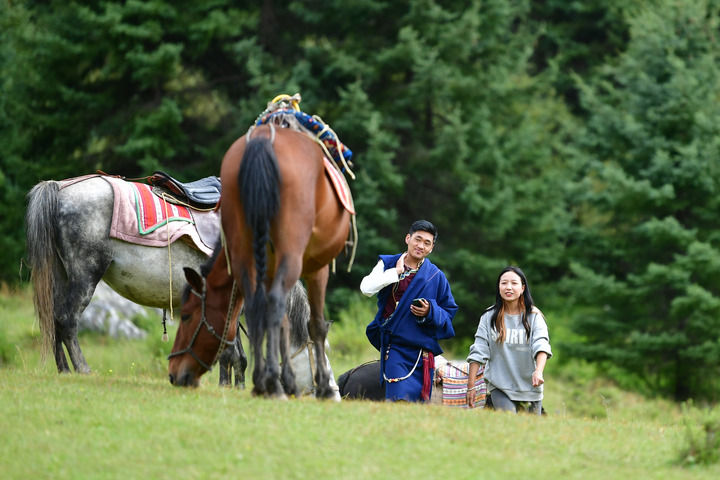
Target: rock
(111, 313)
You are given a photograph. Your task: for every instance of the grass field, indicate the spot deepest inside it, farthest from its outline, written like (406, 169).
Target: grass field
(125, 421)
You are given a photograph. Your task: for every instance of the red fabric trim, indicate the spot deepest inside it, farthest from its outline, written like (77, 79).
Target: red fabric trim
(148, 214)
(341, 187)
(428, 365)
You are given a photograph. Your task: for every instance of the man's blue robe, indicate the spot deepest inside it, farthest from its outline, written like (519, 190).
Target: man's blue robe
(405, 335)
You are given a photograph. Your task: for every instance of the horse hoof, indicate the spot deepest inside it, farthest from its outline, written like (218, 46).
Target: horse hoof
(328, 394)
(333, 398)
(292, 392)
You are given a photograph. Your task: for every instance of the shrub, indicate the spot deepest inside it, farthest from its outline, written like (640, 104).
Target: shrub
(347, 333)
(702, 436)
(6, 346)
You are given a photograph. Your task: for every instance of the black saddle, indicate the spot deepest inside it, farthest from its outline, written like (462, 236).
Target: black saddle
(203, 193)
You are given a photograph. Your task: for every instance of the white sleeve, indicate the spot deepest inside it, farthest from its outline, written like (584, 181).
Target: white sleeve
(378, 279)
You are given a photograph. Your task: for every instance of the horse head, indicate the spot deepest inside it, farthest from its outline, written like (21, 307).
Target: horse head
(207, 326)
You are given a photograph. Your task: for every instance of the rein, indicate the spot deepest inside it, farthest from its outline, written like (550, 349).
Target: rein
(203, 321)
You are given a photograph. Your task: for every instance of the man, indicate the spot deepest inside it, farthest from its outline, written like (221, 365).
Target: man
(415, 310)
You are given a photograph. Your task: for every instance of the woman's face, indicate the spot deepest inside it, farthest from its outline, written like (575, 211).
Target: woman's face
(511, 287)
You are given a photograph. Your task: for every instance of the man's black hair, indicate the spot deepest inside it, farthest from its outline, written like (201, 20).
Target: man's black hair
(424, 226)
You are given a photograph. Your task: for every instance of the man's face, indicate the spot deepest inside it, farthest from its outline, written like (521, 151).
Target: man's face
(420, 244)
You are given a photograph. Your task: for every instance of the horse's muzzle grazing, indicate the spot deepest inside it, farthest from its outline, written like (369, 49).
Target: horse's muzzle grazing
(186, 379)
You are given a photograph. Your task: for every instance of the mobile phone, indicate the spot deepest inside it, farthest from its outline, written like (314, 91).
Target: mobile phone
(417, 302)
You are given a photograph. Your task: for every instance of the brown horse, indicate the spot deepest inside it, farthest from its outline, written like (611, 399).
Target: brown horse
(206, 299)
(208, 321)
(281, 220)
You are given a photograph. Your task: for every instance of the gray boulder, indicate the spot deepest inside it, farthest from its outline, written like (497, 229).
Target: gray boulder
(111, 314)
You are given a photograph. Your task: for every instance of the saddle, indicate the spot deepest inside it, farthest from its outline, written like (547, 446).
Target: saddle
(202, 194)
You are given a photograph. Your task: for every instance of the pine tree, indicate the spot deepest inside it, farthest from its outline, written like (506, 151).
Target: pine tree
(125, 87)
(647, 208)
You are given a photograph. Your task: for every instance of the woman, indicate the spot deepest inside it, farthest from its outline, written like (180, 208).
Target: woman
(512, 341)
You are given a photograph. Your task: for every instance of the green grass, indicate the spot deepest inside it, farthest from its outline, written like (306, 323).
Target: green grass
(124, 420)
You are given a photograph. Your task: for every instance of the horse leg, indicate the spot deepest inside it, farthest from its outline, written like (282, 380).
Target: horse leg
(287, 375)
(239, 362)
(70, 302)
(76, 356)
(318, 329)
(333, 384)
(80, 294)
(256, 341)
(225, 364)
(86, 255)
(274, 319)
(66, 328)
(259, 368)
(59, 352)
(59, 308)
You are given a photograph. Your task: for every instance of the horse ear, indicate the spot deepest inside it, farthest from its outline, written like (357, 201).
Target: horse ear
(193, 278)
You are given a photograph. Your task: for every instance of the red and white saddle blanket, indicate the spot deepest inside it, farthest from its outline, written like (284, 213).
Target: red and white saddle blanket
(142, 217)
(342, 189)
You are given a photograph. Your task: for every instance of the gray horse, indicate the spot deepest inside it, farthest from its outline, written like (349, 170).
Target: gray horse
(70, 251)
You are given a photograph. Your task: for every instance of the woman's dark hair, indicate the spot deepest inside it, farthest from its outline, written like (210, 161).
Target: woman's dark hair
(424, 226)
(497, 321)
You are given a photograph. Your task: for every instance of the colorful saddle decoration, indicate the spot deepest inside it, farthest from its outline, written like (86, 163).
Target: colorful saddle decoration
(284, 111)
(142, 217)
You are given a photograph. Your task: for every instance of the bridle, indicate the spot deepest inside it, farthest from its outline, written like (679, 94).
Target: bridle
(203, 321)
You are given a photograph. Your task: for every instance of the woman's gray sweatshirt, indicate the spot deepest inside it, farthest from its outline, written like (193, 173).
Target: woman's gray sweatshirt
(509, 365)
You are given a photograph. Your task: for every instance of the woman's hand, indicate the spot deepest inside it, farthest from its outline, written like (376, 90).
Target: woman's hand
(470, 396)
(537, 378)
(472, 375)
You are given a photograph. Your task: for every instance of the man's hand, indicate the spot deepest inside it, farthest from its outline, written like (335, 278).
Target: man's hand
(400, 265)
(421, 311)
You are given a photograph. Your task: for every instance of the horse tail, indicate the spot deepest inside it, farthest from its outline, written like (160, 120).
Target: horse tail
(259, 184)
(42, 255)
(298, 311)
